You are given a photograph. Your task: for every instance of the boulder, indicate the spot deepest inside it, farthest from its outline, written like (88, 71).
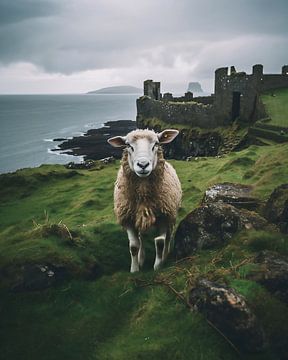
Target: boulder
(276, 209)
(271, 272)
(229, 313)
(212, 225)
(237, 195)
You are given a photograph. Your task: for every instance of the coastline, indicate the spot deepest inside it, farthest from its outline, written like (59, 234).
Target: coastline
(93, 144)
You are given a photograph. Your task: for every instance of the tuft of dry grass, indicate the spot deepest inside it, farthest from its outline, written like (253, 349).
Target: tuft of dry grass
(59, 229)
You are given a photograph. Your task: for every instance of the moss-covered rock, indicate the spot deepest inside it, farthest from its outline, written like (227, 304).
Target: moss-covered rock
(238, 195)
(212, 225)
(229, 312)
(276, 209)
(272, 272)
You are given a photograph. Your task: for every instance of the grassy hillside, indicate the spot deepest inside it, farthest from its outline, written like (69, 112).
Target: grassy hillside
(276, 105)
(100, 311)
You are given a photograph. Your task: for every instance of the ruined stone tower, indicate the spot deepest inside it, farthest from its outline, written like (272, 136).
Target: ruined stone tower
(237, 94)
(152, 89)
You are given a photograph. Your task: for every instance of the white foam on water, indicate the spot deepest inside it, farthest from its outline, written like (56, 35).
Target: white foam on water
(74, 158)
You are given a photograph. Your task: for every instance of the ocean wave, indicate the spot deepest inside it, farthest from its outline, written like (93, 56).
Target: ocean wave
(48, 140)
(79, 133)
(59, 153)
(53, 151)
(89, 125)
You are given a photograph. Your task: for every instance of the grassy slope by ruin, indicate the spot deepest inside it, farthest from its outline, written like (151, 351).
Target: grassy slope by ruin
(109, 316)
(277, 106)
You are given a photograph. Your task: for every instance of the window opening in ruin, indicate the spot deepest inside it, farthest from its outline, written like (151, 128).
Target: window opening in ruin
(236, 104)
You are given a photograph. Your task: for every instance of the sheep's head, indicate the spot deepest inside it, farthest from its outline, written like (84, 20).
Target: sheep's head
(142, 146)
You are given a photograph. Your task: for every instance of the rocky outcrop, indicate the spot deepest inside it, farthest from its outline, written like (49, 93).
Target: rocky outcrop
(93, 145)
(225, 209)
(229, 313)
(276, 209)
(90, 164)
(238, 195)
(83, 165)
(193, 143)
(271, 272)
(211, 225)
(189, 143)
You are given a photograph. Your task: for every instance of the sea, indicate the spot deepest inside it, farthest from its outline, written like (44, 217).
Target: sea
(29, 123)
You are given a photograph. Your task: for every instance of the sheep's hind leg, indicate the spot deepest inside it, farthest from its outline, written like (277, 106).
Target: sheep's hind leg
(161, 246)
(134, 245)
(141, 253)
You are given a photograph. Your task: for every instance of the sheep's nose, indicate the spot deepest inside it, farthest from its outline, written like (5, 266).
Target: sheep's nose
(143, 164)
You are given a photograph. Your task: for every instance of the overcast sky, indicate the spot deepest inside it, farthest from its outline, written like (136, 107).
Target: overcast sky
(72, 46)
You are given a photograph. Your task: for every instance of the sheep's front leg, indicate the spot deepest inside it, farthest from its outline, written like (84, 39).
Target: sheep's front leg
(161, 245)
(134, 245)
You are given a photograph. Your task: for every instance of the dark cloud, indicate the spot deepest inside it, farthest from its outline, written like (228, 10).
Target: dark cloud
(68, 36)
(227, 18)
(14, 11)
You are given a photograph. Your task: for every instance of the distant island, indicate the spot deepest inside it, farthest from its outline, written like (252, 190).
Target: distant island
(117, 90)
(194, 87)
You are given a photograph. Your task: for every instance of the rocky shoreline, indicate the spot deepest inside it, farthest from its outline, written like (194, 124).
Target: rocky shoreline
(93, 144)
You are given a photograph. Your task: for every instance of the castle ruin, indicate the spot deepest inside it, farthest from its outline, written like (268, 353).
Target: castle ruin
(236, 96)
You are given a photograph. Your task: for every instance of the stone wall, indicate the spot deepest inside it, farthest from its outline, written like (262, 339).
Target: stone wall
(191, 113)
(271, 81)
(206, 100)
(237, 95)
(188, 97)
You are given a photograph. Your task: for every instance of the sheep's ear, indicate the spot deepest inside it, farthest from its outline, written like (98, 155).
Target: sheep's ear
(117, 141)
(167, 136)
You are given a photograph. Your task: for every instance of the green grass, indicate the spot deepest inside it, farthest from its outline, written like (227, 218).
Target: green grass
(65, 217)
(262, 167)
(276, 106)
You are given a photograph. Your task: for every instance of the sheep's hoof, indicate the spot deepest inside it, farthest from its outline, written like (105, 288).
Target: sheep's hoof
(158, 265)
(134, 269)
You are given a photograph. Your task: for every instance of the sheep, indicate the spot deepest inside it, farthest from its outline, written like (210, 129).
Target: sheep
(147, 192)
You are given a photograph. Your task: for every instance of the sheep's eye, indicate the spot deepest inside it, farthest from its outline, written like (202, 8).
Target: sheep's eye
(130, 147)
(154, 146)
